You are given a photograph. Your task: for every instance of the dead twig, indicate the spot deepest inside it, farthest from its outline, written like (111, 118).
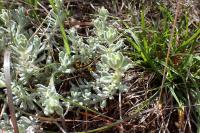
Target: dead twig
(9, 91)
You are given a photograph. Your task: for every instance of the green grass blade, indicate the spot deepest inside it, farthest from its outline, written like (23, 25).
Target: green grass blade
(175, 96)
(1, 5)
(193, 37)
(62, 29)
(139, 50)
(66, 43)
(144, 31)
(52, 3)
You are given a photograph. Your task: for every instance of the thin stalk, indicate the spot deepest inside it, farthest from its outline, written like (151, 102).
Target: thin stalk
(169, 50)
(9, 91)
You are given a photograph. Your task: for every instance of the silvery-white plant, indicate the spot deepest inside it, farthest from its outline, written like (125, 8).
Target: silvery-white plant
(22, 98)
(111, 64)
(24, 51)
(24, 123)
(49, 98)
(103, 48)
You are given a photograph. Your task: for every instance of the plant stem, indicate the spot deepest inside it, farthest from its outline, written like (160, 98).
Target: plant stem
(9, 91)
(169, 49)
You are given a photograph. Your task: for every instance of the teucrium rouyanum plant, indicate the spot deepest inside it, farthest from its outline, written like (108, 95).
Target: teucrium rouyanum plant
(22, 98)
(50, 98)
(24, 124)
(111, 63)
(101, 49)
